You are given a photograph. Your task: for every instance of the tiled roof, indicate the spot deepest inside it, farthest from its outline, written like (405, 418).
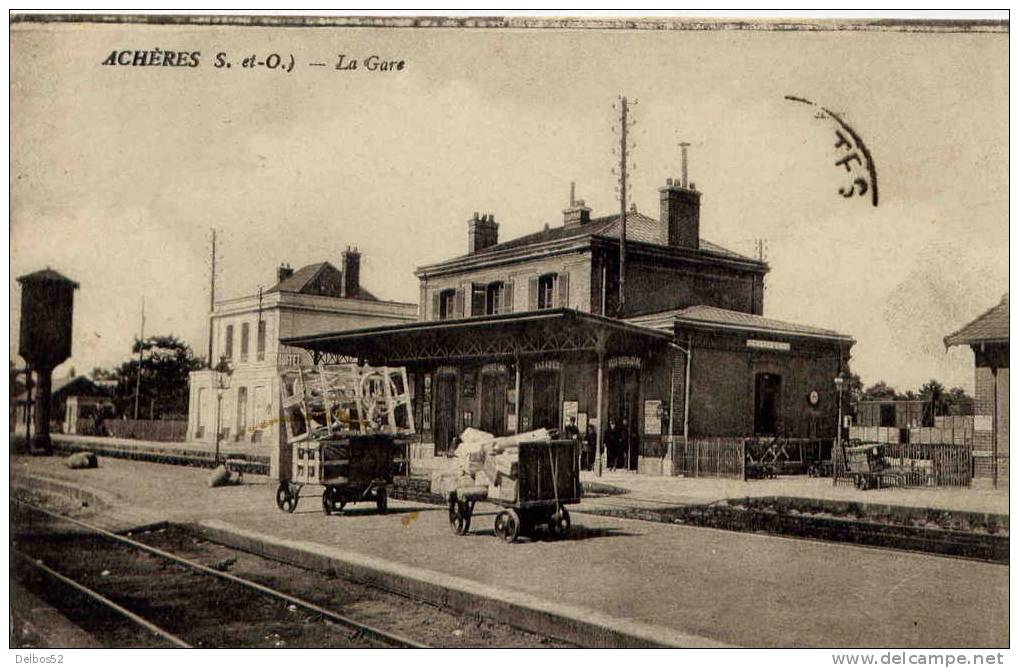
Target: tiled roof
(46, 275)
(638, 228)
(303, 280)
(991, 326)
(83, 386)
(724, 318)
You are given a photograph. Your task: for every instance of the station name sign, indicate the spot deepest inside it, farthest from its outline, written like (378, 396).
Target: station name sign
(768, 345)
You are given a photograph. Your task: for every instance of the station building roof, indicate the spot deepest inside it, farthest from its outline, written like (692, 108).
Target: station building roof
(712, 317)
(990, 327)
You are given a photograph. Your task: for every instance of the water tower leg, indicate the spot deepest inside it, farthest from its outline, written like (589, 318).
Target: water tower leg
(41, 443)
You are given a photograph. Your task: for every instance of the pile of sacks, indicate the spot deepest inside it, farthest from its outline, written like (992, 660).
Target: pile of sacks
(486, 466)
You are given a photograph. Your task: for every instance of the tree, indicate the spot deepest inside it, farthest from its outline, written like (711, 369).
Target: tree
(958, 402)
(854, 387)
(166, 363)
(933, 392)
(879, 390)
(99, 373)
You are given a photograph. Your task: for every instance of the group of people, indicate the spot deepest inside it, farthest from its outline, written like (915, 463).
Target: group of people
(617, 444)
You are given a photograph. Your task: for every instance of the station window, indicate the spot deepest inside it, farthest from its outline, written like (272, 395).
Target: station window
(495, 298)
(260, 345)
(447, 305)
(491, 298)
(228, 346)
(245, 336)
(547, 287)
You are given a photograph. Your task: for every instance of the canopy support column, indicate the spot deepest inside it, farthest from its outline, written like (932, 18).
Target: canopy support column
(600, 399)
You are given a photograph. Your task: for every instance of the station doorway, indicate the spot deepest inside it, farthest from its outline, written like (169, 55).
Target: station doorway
(493, 402)
(767, 403)
(546, 412)
(445, 411)
(624, 408)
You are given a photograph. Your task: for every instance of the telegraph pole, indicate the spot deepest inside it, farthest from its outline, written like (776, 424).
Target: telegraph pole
(141, 350)
(212, 295)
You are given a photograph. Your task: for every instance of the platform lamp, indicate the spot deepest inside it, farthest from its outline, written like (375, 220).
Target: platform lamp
(840, 382)
(221, 379)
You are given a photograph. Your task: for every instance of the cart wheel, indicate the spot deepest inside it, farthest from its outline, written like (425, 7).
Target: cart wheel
(507, 525)
(459, 517)
(286, 500)
(381, 500)
(559, 523)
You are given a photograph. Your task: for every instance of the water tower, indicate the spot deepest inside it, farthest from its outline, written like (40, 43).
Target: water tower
(47, 307)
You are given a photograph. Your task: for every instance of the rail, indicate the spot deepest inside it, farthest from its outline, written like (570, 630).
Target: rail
(369, 631)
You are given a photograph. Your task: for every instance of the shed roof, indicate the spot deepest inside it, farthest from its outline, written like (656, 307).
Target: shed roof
(720, 318)
(545, 332)
(72, 385)
(991, 327)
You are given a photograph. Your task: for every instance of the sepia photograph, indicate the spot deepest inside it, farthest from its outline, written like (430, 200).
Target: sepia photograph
(510, 330)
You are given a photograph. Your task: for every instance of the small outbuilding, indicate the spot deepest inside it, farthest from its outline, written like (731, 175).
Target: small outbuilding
(987, 336)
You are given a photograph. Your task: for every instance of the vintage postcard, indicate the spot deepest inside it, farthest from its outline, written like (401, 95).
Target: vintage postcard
(514, 331)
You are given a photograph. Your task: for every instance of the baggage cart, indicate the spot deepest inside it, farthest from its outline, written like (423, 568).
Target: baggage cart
(346, 427)
(869, 469)
(547, 480)
(350, 467)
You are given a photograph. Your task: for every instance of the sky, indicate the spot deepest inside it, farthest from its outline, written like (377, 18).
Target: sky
(119, 173)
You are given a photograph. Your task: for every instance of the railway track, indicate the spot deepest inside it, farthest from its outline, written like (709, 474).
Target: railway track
(246, 608)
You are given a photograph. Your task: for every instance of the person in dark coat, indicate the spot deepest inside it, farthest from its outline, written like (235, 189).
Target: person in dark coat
(589, 445)
(613, 444)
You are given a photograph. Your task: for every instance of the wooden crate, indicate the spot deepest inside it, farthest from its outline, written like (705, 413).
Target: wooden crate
(535, 482)
(357, 459)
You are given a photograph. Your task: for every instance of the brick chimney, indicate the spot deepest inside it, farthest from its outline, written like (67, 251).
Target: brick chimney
(351, 272)
(283, 272)
(576, 214)
(482, 232)
(681, 214)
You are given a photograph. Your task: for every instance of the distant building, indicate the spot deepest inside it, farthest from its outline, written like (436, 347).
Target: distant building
(76, 392)
(530, 332)
(247, 331)
(987, 336)
(897, 413)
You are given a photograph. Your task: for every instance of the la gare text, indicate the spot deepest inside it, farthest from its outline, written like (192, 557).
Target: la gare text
(170, 58)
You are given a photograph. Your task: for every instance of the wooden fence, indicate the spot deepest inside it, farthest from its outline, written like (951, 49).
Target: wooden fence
(721, 457)
(148, 430)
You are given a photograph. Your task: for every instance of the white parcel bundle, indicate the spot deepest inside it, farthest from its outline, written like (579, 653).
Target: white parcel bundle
(487, 465)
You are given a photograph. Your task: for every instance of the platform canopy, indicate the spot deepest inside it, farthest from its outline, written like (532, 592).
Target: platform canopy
(510, 335)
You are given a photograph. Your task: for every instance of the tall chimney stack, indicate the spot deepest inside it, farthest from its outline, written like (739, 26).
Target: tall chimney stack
(482, 232)
(351, 284)
(576, 213)
(680, 214)
(283, 272)
(682, 147)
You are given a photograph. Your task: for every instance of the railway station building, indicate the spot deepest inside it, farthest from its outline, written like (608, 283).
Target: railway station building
(532, 332)
(246, 332)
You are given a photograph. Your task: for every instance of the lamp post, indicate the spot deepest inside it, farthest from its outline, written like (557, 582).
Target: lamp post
(839, 383)
(222, 383)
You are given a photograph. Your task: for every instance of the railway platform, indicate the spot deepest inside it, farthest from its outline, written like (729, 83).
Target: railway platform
(676, 585)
